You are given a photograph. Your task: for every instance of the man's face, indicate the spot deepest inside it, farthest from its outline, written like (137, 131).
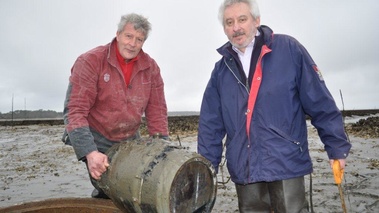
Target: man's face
(130, 41)
(239, 25)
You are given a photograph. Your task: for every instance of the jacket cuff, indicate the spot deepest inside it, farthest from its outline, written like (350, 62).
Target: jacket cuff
(82, 141)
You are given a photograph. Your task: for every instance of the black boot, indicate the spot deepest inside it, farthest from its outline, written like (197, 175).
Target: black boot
(288, 196)
(99, 194)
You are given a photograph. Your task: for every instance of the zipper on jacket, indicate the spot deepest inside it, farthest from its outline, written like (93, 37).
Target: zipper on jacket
(239, 81)
(298, 144)
(286, 137)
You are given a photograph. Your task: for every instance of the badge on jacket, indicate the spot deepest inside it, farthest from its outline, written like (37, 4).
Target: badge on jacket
(107, 77)
(315, 68)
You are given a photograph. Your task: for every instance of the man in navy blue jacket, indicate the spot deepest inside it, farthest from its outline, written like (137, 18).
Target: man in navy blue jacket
(258, 96)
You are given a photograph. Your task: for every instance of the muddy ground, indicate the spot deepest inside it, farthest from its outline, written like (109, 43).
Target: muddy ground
(36, 165)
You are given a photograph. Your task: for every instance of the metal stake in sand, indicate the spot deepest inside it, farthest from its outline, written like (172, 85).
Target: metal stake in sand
(338, 175)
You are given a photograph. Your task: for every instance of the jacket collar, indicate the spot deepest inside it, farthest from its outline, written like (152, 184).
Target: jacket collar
(112, 56)
(265, 31)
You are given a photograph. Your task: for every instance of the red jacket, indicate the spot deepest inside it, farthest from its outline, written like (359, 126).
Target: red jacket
(98, 98)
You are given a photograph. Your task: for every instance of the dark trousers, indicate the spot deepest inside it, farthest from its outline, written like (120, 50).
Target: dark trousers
(285, 196)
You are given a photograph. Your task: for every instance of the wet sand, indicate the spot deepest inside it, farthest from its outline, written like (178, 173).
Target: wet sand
(36, 166)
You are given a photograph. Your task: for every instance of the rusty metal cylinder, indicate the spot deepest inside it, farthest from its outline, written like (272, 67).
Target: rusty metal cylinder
(154, 175)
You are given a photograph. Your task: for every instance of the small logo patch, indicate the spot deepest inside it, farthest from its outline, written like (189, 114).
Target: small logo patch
(107, 77)
(315, 68)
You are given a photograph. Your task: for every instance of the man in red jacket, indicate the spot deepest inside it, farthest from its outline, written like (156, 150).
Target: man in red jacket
(110, 88)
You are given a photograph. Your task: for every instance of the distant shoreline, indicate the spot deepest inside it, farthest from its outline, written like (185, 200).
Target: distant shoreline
(173, 116)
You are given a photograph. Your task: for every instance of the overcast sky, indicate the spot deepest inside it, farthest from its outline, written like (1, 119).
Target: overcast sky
(41, 39)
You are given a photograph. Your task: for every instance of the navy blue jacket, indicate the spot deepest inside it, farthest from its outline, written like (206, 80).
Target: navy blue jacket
(291, 87)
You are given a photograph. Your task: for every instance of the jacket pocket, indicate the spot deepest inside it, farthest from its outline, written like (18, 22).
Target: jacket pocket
(285, 136)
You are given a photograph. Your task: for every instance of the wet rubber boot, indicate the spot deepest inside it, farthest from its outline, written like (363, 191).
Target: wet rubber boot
(288, 196)
(253, 198)
(285, 196)
(99, 194)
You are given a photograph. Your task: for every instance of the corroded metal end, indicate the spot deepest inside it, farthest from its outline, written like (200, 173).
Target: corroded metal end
(64, 205)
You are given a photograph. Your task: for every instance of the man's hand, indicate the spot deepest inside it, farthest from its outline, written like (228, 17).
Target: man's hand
(342, 163)
(97, 164)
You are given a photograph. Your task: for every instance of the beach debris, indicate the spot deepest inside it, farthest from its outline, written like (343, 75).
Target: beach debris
(374, 164)
(366, 128)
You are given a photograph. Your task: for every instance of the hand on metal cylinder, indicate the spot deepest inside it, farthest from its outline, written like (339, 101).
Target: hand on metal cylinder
(97, 164)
